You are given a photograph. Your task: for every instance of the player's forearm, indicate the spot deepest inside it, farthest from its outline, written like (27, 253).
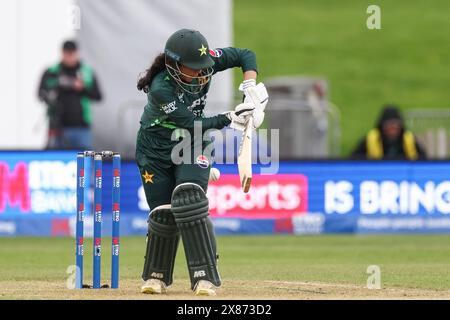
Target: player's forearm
(217, 122)
(250, 75)
(247, 60)
(188, 122)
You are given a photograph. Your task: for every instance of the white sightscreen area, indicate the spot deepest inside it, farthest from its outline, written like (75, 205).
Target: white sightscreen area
(31, 34)
(121, 38)
(118, 38)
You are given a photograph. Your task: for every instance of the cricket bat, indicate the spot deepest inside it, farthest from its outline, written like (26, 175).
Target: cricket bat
(256, 95)
(245, 156)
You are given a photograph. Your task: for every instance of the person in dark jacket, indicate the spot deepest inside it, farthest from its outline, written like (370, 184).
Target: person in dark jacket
(67, 88)
(389, 139)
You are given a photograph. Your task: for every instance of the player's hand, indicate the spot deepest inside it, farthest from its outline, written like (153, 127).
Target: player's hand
(240, 115)
(247, 84)
(245, 87)
(256, 94)
(258, 118)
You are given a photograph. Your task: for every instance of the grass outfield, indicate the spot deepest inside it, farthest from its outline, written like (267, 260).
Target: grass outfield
(406, 62)
(289, 267)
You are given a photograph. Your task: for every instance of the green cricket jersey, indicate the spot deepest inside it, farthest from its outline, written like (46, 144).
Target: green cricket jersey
(170, 108)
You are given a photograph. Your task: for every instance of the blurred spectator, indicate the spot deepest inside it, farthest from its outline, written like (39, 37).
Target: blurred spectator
(389, 139)
(68, 88)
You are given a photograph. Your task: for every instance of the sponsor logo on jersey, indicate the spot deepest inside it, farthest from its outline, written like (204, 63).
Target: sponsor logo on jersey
(217, 53)
(202, 161)
(198, 113)
(198, 104)
(170, 107)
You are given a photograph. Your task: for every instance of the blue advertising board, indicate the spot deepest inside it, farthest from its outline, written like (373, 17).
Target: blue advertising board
(37, 197)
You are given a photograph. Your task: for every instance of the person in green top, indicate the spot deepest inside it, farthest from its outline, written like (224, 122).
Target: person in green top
(176, 85)
(68, 88)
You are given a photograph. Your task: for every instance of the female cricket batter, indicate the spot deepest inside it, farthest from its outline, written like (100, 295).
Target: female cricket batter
(176, 85)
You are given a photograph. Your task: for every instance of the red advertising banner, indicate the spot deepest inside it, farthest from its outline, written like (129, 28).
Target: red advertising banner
(14, 188)
(270, 196)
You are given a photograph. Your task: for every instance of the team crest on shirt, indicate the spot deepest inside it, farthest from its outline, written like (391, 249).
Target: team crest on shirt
(216, 53)
(148, 177)
(202, 161)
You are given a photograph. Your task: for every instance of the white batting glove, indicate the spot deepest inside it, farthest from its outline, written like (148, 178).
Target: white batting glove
(247, 84)
(255, 94)
(240, 115)
(258, 118)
